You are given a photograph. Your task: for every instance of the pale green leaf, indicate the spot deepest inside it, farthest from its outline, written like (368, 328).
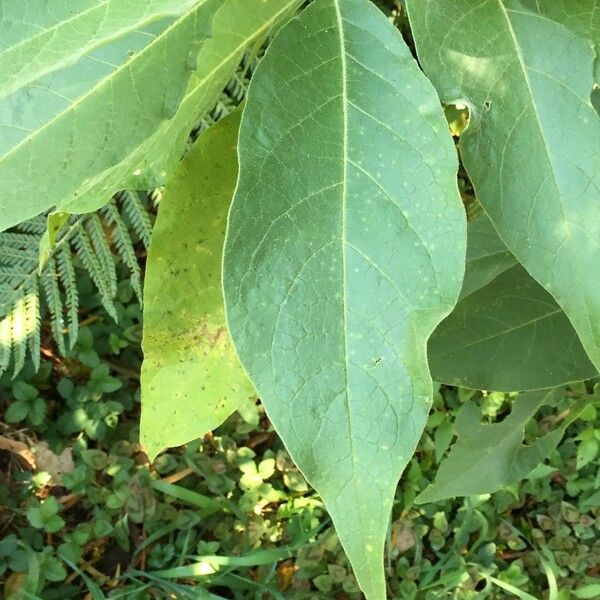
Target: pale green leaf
(54, 223)
(490, 456)
(82, 86)
(590, 591)
(237, 26)
(345, 249)
(586, 452)
(531, 148)
(506, 333)
(191, 377)
(581, 16)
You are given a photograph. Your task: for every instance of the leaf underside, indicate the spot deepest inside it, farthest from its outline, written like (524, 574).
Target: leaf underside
(345, 249)
(129, 115)
(531, 148)
(191, 377)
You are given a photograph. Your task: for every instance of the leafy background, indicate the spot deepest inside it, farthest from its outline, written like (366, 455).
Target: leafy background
(229, 516)
(135, 530)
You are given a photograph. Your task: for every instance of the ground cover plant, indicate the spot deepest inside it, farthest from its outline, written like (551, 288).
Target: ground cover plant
(385, 196)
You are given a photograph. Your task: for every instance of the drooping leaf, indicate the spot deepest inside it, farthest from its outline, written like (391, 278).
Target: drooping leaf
(581, 16)
(237, 26)
(531, 148)
(506, 333)
(191, 377)
(489, 456)
(81, 86)
(345, 248)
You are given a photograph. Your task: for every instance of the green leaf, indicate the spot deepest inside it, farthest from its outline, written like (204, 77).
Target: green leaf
(586, 452)
(490, 456)
(531, 148)
(17, 411)
(506, 333)
(81, 87)
(590, 591)
(191, 378)
(345, 248)
(55, 222)
(581, 16)
(487, 256)
(236, 26)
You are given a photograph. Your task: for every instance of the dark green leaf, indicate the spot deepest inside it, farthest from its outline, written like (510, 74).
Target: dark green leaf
(506, 333)
(345, 249)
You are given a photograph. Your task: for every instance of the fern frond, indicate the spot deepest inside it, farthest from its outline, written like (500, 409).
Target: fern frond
(66, 273)
(19, 332)
(124, 246)
(33, 320)
(90, 261)
(95, 230)
(90, 237)
(55, 304)
(5, 342)
(137, 214)
(98, 240)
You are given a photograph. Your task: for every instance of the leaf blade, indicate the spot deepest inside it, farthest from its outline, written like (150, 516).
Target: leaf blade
(191, 378)
(506, 333)
(92, 96)
(489, 456)
(301, 254)
(531, 147)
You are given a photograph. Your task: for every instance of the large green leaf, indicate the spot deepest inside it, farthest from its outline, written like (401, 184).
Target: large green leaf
(581, 16)
(137, 150)
(506, 333)
(490, 456)
(345, 249)
(82, 85)
(237, 26)
(531, 148)
(191, 377)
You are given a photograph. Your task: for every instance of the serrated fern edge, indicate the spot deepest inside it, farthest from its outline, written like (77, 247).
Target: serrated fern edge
(98, 240)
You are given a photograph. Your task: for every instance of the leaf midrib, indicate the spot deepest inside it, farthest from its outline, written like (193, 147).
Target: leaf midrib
(344, 234)
(524, 69)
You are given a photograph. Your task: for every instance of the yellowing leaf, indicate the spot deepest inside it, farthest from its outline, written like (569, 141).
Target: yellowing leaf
(191, 377)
